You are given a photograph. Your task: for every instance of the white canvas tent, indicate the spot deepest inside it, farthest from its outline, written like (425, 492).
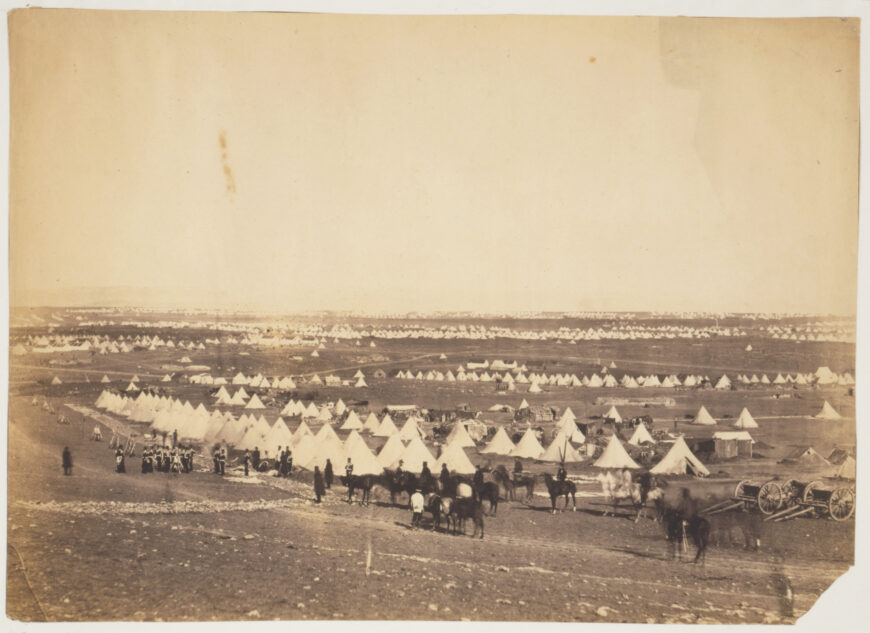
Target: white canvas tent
(827, 413)
(528, 446)
(560, 450)
(703, 417)
(680, 460)
(352, 422)
(459, 435)
(641, 435)
(500, 444)
(414, 455)
(386, 428)
(615, 456)
(745, 420)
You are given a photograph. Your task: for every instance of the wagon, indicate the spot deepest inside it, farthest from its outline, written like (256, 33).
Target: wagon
(767, 497)
(812, 498)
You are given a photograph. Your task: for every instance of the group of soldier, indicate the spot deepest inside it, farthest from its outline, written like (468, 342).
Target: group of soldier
(219, 458)
(163, 459)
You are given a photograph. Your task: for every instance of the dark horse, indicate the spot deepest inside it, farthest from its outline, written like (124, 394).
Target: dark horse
(363, 483)
(489, 491)
(677, 527)
(404, 482)
(559, 488)
(519, 480)
(458, 510)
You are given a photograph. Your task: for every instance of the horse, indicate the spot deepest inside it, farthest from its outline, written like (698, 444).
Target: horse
(677, 527)
(637, 493)
(397, 484)
(358, 482)
(559, 488)
(489, 491)
(461, 509)
(439, 507)
(519, 480)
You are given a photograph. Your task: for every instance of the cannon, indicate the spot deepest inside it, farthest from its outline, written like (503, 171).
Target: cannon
(811, 498)
(767, 497)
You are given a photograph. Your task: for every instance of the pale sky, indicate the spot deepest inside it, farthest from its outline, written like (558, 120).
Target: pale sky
(299, 162)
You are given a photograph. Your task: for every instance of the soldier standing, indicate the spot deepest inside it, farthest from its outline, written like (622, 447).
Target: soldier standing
(282, 463)
(444, 477)
(327, 474)
(66, 461)
(319, 490)
(247, 462)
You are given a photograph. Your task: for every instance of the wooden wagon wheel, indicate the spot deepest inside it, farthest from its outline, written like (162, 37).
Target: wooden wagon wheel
(770, 497)
(841, 504)
(738, 491)
(808, 490)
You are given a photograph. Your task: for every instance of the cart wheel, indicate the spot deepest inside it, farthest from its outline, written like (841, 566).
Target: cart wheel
(770, 498)
(738, 491)
(841, 504)
(808, 490)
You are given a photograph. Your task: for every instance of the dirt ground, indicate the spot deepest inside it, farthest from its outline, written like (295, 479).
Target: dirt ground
(103, 546)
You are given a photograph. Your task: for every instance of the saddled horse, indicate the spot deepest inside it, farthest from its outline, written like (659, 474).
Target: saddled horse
(510, 484)
(363, 483)
(636, 493)
(557, 489)
(407, 482)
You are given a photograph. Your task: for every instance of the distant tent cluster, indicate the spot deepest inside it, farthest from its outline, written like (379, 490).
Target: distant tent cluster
(520, 376)
(104, 344)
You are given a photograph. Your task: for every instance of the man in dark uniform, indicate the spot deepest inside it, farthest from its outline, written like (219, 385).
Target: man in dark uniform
(319, 490)
(518, 466)
(255, 458)
(444, 477)
(282, 462)
(146, 455)
(399, 470)
(477, 480)
(222, 460)
(327, 474)
(289, 462)
(119, 461)
(66, 461)
(425, 474)
(217, 461)
(561, 474)
(247, 462)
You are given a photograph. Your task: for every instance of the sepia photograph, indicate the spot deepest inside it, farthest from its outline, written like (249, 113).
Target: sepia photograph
(495, 317)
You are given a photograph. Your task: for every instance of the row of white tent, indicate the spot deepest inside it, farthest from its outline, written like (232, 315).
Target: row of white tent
(631, 382)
